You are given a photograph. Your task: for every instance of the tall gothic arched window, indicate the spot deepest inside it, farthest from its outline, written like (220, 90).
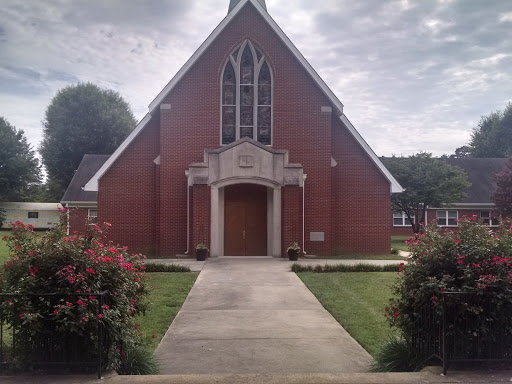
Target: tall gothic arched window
(247, 96)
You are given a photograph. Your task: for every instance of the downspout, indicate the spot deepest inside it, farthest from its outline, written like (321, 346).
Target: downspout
(67, 219)
(303, 214)
(188, 214)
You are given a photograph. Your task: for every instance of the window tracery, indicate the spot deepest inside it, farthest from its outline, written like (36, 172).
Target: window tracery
(247, 96)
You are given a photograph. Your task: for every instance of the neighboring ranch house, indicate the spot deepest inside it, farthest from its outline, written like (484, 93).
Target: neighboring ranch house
(478, 202)
(247, 150)
(39, 215)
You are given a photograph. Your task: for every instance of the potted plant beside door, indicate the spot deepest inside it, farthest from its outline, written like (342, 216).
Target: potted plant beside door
(201, 252)
(293, 251)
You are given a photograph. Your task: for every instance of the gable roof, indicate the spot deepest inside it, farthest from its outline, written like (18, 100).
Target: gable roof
(481, 172)
(87, 168)
(92, 185)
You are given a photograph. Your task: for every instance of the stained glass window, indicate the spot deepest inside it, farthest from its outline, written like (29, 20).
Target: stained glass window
(247, 96)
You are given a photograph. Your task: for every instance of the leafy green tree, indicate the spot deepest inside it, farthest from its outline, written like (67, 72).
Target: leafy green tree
(492, 137)
(81, 119)
(428, 182)
(20, 173)
(502, 197)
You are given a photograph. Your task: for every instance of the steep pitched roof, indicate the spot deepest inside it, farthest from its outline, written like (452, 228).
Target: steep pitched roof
(87, 168)
(480, 173)
(92, 185)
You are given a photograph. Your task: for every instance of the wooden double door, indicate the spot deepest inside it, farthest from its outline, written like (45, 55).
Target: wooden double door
(245, 220)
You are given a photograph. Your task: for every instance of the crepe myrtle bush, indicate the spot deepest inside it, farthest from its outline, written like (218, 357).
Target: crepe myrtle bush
(472, 259)
(81, 263)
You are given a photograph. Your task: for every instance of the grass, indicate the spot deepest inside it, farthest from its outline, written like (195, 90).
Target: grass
(356, 300)
(398, 242)
(171, 290)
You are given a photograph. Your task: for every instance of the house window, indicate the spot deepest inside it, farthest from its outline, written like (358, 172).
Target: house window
(400, 219)
(488, 219)
(447, 218)
(246, 96)
(92, 216)
(33, 215)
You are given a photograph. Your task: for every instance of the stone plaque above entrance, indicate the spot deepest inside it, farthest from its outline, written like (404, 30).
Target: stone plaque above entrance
(246, 161)
(316, 236)
(291, 180)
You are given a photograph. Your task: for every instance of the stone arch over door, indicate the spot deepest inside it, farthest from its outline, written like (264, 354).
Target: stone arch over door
(245, 161)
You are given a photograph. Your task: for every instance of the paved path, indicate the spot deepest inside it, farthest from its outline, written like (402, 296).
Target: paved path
(254, 316)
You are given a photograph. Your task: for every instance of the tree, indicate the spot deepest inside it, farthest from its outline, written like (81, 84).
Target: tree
(428, 182)
(492, 137)
(81, 119)
(502, 197)
(20, 173)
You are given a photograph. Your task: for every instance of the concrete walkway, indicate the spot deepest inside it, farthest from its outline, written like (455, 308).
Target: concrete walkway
(254, 316)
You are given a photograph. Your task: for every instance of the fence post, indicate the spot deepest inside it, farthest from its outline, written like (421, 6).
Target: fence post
(443, 335)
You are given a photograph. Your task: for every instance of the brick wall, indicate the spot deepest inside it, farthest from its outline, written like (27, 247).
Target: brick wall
(127, 193)
(291, 222)
(78, 219)
(361, 198)
(200, 216)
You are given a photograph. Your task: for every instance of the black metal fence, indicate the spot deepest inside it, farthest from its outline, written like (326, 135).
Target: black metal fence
(48, 347)
(467, 327)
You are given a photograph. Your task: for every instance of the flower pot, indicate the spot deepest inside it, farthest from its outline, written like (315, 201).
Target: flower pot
(201, 254)
(293, 254)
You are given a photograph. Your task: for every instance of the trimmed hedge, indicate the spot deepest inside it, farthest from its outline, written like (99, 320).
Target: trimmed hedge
(328, 268)
(157, 267)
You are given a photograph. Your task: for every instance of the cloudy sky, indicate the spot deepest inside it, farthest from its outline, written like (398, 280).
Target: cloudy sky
(413, 75)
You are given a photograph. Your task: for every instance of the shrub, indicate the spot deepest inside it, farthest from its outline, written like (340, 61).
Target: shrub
(137, 360)
(157, 267)
(394, 356)
(2, 217)
(330, 268)
(78, 264)
(473, 259)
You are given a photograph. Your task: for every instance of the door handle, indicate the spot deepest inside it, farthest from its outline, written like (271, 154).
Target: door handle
(243, 235)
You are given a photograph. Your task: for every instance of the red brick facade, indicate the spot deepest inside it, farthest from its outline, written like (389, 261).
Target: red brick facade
(147, 203)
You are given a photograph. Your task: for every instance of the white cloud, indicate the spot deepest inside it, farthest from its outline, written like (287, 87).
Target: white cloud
(412, 75)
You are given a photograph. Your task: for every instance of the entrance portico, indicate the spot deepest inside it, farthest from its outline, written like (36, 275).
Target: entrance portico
(237, 176)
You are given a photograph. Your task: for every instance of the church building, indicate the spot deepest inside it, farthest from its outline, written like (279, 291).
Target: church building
(246, 150)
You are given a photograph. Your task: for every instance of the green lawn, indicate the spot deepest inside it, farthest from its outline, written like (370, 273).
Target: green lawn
(166, 300)
(359, 257)
(398, 242)
(357, 301)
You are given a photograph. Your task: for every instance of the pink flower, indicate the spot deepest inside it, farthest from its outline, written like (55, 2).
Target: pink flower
(32, 271)
(22, 315)
(136, 326)
(90, 270)
(69, 304)
(395, 314)
(100, 316)
(154, 336)
(80, 302)
(56, 311)
(457, 241)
